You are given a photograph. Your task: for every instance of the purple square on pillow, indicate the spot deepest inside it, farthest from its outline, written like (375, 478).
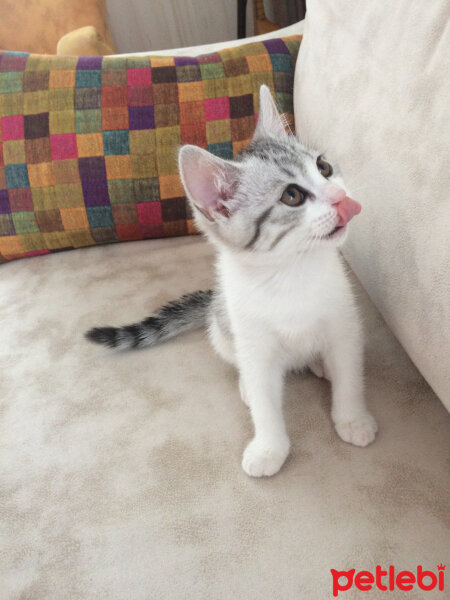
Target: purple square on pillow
(141, 117)
(4, 203)
(95, 192)
(90, 62)
(181, 61)
(12, 61)
(276, 46)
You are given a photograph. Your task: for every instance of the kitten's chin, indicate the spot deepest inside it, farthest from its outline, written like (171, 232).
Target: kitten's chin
(337, 235)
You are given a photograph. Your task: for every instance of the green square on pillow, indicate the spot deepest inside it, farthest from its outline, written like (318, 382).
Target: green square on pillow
(16, 176)
(121, 191)
(100, 216)
(25, 222)
(88, 120)
(116, 142)
(11, 82)
(212, 71)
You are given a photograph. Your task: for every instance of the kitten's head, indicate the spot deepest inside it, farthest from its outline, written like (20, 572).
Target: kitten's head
(276, 196)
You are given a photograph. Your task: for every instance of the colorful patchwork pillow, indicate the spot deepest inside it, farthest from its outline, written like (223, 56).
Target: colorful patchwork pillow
(88, 145)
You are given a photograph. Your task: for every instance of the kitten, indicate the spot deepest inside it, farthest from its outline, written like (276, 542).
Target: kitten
(276, 214)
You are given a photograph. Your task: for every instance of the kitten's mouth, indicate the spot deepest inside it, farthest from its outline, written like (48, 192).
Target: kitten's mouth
(335, 232)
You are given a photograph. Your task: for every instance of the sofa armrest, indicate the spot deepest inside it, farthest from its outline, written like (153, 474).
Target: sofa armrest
(372, 88)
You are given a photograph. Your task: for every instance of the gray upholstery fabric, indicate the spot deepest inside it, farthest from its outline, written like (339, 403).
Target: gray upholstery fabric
(120, 473)
(372, 89)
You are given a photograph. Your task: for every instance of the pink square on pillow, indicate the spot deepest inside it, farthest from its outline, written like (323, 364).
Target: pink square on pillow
(64, 145)
(149, 212)
(139, 76)
(13, 128)
(38, 252)
(217, 108)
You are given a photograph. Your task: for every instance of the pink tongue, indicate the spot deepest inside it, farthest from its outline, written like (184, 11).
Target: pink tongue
(347, 209)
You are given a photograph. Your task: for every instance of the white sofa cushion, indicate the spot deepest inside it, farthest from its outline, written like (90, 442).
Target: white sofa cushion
(372, 88)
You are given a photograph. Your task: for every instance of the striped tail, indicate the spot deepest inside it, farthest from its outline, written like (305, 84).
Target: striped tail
(187, 313)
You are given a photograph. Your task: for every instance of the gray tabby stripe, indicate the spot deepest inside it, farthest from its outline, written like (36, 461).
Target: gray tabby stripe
(280, 236)
(259, 224)
(273, 151)
(287, 171)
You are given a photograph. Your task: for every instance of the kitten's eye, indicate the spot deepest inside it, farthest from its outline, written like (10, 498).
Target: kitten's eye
(325, 168)
(293, 196)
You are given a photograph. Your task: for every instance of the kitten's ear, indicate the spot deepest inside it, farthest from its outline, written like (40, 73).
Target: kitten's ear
(270, 121)
(210, 182)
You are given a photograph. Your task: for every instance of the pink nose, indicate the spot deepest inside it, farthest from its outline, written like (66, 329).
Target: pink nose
(347, 209)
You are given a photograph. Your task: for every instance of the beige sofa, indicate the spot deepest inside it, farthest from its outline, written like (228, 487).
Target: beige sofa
(120, 473)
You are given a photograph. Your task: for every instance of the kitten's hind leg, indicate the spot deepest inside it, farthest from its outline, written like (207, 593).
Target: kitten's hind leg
(222, 341)
(318, 367)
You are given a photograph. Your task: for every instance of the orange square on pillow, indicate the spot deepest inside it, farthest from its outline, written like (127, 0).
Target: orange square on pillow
(74, 218)
(192, 112)
(41, 174)
(10, 245)
(170, 186)
(90, 144)
(62, 79)
(162, 61)
(118, 167)
(259, 63)
(190, 91)
(115, 118)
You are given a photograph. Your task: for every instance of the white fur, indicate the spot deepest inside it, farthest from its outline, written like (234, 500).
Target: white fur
(285, 307)
(315, 317)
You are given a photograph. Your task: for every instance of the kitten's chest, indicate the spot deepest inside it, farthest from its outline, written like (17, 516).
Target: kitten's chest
(293, 300)
(289, 307)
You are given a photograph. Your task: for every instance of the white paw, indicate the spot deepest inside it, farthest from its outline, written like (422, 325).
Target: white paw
(262, 459)
(242, 393)
(360, 432)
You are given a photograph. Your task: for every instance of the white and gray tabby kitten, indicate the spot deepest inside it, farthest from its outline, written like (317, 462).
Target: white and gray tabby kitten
(276, 215)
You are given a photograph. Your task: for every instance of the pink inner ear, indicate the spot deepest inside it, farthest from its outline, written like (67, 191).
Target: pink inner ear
(204, 190)
(200, 174)
(209, 181)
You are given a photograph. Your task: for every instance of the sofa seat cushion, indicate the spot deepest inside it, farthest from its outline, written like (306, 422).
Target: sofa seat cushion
(88, 147)
(120, 473)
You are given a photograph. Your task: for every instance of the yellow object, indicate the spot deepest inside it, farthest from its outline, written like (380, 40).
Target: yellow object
(85, 41)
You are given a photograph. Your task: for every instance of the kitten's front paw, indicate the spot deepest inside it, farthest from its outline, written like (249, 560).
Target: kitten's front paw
(360, 432)
(263, 459)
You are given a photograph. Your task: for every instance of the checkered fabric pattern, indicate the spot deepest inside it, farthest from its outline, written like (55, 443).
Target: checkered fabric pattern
(88, 145)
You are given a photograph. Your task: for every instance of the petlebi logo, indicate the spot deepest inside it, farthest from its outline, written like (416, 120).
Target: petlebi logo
(388, 580)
